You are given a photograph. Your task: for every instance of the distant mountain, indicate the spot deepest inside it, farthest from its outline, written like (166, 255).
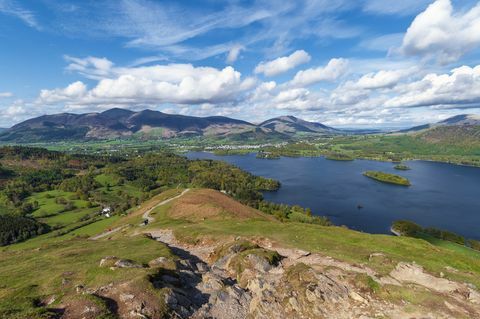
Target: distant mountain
(292, 125)
(459, 130)
(457, 120)
(116, 123)
(148, 124)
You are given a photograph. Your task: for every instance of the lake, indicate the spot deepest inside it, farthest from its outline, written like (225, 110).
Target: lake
(442, 195)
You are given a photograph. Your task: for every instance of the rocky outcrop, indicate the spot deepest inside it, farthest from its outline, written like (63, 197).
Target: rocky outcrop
(245, 279)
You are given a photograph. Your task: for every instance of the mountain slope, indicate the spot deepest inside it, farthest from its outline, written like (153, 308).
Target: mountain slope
(457, 130)
(116, 123)
(292, 125)
(148, 124)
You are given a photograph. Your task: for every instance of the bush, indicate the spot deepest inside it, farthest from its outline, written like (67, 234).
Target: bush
(406, 228)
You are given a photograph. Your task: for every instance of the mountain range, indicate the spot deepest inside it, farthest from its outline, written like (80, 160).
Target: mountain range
(148, 124)
(118, 123)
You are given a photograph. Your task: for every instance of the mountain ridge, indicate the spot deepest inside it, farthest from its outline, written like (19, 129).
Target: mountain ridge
(118, 123)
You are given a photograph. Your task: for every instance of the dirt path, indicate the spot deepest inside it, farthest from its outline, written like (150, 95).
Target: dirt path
(145, 215)
(150, 219)
(108, 233)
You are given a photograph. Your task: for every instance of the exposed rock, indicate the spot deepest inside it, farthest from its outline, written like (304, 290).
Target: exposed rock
(127, 263)
(405, 272)
(108, 261)
(163, 262)
(258, 262)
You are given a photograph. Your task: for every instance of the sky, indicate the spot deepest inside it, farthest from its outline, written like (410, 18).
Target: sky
(345, 63)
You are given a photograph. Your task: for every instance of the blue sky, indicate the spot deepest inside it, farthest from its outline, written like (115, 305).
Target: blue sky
(362, 63)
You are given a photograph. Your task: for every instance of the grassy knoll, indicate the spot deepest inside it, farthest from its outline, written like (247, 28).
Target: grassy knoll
(388, 178)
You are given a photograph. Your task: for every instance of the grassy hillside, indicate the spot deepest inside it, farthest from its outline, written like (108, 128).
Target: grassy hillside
(338, 242)
(33, 271)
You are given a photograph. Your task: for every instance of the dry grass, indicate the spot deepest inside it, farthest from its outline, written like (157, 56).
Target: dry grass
(209, 204)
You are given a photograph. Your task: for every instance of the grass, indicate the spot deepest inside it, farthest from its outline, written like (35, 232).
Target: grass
(388, 178)
(36, 268)
(48, 206)
(95, 228)
(67, 218)
(337, 242)
(56, 268)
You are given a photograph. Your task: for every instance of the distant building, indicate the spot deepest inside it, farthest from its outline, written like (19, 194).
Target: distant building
(106, 211)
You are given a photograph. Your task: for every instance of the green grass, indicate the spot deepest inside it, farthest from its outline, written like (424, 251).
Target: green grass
(67, 218)
(107, 179)
(56, 268)
(47, 205)
(388, 178)
(95, 228)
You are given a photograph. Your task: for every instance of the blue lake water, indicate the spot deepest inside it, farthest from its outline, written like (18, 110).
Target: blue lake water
(442, 195)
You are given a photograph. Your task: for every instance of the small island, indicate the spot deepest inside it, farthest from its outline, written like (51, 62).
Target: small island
(388, 178)
(402, 167)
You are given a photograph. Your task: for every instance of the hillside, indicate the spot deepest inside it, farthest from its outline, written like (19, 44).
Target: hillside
(194, 239)
(234, 263)
(148, 124)
(293, 125)
(117, 123)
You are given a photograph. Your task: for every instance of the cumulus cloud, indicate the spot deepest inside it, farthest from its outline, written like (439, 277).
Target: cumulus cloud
(460, 88)
(442, 33)
(332, 71)
(171, 83)
(283, 64)
(76, 90)
(381, 79)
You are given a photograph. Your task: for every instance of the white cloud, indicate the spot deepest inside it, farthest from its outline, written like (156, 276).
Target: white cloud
(157, 84)
(12, 8)
(382, 79)
(460, 88)
(234, 53)
(442, 33)
(74, 91)
(332, 71)
(6, 94)
(283, 64)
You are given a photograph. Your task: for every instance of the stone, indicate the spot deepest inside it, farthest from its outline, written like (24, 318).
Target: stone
(108, 261)
(127, 263)
(126, 297)
(259, 263)
(159, 262)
